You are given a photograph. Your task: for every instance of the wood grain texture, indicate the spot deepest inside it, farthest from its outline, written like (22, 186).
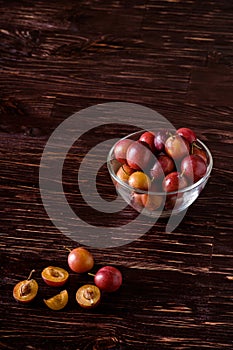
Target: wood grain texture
(59, 57)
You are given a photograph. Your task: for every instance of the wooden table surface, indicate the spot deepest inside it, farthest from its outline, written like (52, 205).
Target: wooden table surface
(59, 57)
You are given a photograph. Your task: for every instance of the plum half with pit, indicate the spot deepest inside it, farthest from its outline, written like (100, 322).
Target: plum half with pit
(25, 291)
(88, 296)
(54, 276)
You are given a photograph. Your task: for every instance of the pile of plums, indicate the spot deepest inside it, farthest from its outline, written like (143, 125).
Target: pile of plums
(80, 260)
(163, 162)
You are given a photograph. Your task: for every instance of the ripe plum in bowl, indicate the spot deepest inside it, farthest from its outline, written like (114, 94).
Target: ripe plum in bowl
(157, 179)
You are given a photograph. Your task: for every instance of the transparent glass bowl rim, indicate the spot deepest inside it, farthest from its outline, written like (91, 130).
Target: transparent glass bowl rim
(132, 189)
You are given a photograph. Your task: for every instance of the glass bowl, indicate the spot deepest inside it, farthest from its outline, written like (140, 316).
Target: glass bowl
(172, 202)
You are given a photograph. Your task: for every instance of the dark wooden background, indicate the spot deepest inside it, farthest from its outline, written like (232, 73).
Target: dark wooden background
(176, 57)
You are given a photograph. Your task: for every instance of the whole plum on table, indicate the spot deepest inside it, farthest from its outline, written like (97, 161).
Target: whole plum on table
(80, 260)
(108, 279)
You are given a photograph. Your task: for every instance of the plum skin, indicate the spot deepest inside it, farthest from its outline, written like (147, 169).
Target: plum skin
(194, 167)
(163, 166)
(174, 182)
(80, 260)
(120, 150)
(187, 134)
(138, 156)
(147, 138)
(139, 180)
(108, 279)
(177, 147)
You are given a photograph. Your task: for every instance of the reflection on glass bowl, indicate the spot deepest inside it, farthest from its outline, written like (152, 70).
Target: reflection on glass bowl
(162, 203)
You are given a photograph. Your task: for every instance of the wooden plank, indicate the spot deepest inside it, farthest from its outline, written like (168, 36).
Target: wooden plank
(60, 57)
